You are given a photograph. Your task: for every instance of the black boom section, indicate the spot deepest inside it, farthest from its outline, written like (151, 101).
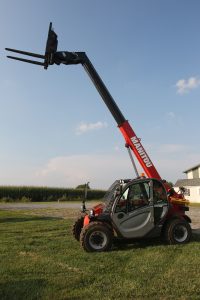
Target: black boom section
(103, 91)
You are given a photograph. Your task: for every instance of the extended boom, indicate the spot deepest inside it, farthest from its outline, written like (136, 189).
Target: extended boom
(52, 56)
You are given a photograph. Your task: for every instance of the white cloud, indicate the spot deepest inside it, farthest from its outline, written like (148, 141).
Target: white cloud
(117, 148)
(85, 127)
(173, 119)
(100, 170)
(185, 85)
(171, 115)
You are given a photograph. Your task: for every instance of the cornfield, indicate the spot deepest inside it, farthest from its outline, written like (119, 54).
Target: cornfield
(40, 194)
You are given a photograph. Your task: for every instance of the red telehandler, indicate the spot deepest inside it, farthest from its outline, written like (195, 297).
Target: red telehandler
(132, 209)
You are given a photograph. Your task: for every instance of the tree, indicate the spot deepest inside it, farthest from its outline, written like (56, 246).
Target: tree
(83, 186)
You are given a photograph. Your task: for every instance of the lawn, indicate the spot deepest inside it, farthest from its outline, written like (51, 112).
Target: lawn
(39, 259)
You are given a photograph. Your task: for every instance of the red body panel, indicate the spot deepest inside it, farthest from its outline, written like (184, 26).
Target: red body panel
(86, 221)
(134, 142)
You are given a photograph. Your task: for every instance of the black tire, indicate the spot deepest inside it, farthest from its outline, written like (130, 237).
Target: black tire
(177, 232)
(77, 227)
(96, 237)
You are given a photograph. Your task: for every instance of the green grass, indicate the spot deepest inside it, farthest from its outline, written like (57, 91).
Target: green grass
(39, 259)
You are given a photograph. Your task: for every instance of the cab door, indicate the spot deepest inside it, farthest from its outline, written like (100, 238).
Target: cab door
(133, 211)
(161, 204)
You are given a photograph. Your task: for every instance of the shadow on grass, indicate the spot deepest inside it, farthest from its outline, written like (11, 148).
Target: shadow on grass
(135, 244)
(22, 289)
(27, 219)
(196, 234)
(145, 243)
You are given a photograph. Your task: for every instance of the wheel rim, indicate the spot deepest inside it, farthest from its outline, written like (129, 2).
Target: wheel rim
(180, 233)
(98, 240)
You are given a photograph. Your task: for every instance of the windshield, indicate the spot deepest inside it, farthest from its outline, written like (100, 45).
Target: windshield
(111, 192)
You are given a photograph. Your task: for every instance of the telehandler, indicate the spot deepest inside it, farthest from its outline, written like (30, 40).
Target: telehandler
(132, 209)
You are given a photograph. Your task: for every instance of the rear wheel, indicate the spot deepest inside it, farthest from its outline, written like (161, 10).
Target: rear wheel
(77, 227)
(178, 232)
(96, 237)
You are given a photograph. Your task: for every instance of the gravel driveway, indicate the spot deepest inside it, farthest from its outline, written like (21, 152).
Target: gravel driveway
(194, 212)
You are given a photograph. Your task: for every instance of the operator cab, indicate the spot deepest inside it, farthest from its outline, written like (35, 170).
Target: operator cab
(139, 208)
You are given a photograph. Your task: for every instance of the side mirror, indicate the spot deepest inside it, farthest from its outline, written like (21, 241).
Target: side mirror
(171, 192)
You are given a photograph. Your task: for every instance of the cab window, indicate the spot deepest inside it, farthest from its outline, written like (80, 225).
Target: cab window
(122, 202)
(159, 193)
(134, 197)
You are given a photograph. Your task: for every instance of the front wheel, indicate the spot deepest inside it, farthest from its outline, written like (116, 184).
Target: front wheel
(77, 227)
(96, 237)
(178, 232)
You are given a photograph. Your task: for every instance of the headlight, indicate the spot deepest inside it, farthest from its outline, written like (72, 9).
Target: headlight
(91, 213)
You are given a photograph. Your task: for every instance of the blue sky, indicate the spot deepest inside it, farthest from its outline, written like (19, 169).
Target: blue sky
(56, 131)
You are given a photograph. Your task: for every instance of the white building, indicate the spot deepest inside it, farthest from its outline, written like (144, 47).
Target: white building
(191, 184)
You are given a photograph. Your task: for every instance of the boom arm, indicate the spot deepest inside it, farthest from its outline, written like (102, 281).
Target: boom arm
(70, 58)
(131, 138)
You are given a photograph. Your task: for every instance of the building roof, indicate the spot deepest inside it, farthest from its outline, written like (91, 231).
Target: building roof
(187, 182)
(195, 167)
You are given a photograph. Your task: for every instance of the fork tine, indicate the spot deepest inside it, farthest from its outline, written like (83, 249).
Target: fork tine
(28, 61)
(26, 53)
